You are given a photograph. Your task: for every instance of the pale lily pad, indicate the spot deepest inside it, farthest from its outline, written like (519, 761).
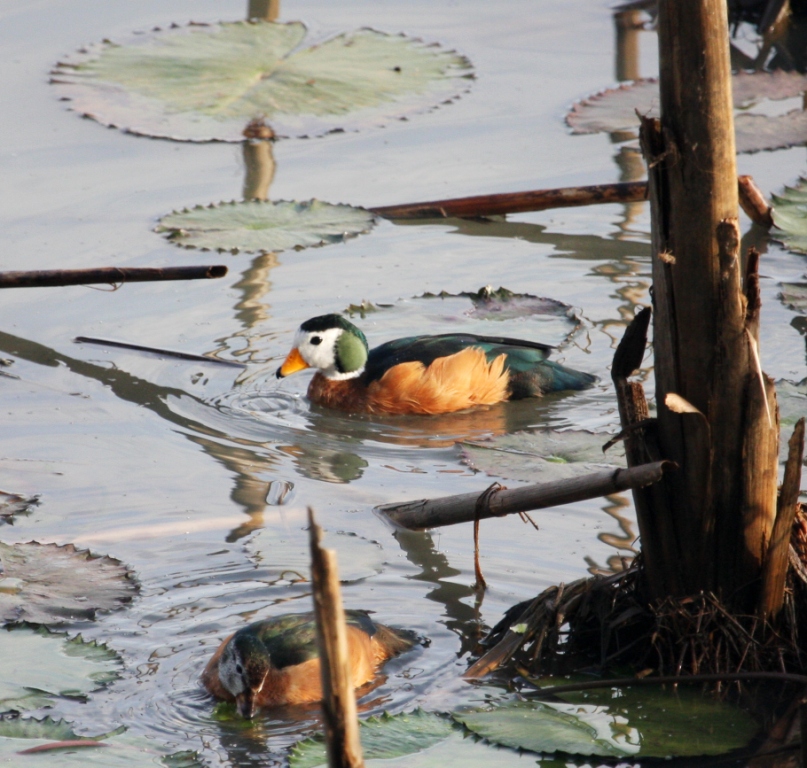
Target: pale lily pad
(51, 742)
(39, 665)
(790, 217)
(284, 552)
(543, 456)
(650, 723)
(614, 110)
(382, 738)
(12, 504)
(207, 82)
(263, 226)
(50, 584)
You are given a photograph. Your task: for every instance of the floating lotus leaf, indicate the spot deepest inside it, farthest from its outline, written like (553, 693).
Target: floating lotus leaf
(382, 738)
(263, 226)
(50, 584)
(790, 217)
(12, 504)
(543, 456)
(646, 723)
(207, 82)
(284, 551)
(614, 110)
(39, 665)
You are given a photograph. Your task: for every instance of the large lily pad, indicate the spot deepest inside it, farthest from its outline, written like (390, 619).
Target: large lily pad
(284, 552)
(207, 82)
(646, 723)
(263, 226)
(542, 456)
(51, 584)
(39, 666)
(614, 110)
(382, 738)
(790, 217)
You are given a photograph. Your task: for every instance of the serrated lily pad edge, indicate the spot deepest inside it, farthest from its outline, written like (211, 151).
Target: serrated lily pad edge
(170, 233)
(377, 118)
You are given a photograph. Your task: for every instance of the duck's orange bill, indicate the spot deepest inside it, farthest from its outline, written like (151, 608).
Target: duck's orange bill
(293, 363)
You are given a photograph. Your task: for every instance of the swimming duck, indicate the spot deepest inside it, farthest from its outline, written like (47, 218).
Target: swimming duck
(275, 661)
(421, 374)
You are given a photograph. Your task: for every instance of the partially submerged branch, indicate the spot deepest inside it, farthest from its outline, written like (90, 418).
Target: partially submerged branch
(480, 206)
(46, 278)
(467, 507)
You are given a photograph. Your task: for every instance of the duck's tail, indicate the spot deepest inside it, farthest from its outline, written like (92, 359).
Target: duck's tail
(547, 377)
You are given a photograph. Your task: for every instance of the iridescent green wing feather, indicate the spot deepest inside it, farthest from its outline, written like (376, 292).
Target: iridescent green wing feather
(531, 373)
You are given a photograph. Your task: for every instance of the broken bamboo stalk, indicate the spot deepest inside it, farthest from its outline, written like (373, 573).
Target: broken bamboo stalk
(479, 206)
(467, 507)
(338, 697)
(47, 278)
(776, 562)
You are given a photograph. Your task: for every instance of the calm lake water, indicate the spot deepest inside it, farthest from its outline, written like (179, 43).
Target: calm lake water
(175, 467)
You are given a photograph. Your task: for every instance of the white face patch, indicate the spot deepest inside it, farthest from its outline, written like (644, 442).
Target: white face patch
(231, 672)
(318, 349)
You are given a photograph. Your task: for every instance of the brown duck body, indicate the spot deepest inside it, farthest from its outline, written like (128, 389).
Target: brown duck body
(290, 638)
(454, 383)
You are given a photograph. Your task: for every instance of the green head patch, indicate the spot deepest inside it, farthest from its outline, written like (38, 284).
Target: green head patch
(351, 351)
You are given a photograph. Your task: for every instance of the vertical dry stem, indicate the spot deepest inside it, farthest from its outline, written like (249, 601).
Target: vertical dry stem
(338, 696)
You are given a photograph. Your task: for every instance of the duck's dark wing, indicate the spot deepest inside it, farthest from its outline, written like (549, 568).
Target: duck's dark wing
(530, 372)
(292, 639)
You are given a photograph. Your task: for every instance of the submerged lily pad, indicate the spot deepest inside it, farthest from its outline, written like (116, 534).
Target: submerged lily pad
(794, 295)
(542, 456)
(382, 738)
(790, 217)
(264, 226)
(207, 82)
(536, 318)
(614, 110)
(648, 723)
(39, 665)
(284, 552)
(50, 584)
(12, 504)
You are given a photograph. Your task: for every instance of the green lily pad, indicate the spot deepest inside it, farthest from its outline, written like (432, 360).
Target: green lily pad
(614, 110)
(625, 723)
(382, 738)
(41, 665)
(264, 226)
(51, 584)
(790, 219)
(284, 551)
(542, 456)
(54, 743)
(206, 82)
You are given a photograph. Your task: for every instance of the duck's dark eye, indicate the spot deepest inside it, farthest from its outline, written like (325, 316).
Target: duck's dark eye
(239, 669)
(315, 340)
